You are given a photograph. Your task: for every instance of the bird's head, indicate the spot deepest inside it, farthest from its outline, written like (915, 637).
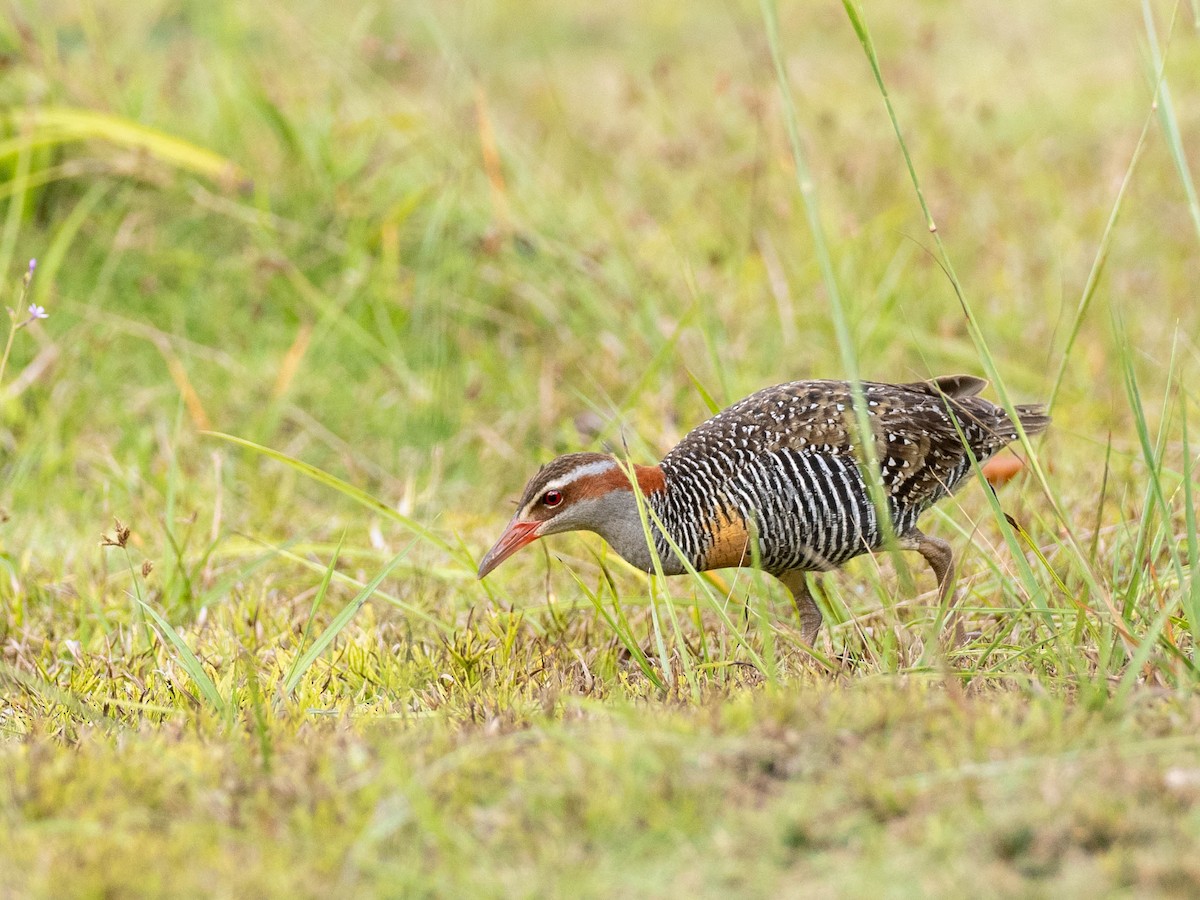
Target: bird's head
(576, 492)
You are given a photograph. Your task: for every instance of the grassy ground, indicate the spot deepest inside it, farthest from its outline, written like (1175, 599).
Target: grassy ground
(422, 250)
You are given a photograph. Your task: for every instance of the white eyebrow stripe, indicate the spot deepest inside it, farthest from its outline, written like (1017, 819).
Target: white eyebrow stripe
(592, 468)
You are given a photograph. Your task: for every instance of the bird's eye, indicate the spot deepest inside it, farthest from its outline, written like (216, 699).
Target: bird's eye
(552, 498)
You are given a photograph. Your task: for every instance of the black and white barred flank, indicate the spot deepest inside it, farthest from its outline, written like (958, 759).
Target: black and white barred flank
(783, 466)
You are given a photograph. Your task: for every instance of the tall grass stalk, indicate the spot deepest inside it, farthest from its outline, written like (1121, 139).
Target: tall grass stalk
(1166, 111)
(1191, 585)
(865, 445)
(858, 22)
(1079, 557)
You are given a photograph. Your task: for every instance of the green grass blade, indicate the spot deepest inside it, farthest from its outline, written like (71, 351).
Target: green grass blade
(340, 621)
(1152, 456)
(621, 629)
(62, 124)
(1141, 655)
(16, 206)
(186, 658)
(51, 262)
(652, 523)
(1192, 590)
(292, 675)
(342, 487)
(858, 23)
(343, 578)
(837, 310)
(986, 358)
(1166, 114)
(712, 405)
(1098, 264)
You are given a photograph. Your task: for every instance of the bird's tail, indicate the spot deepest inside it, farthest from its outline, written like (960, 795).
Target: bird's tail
(1033, 417)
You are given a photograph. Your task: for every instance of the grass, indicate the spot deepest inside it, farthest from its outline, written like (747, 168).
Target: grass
(325, 285)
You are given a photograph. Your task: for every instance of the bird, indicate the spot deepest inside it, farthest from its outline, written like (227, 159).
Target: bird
(782, 468)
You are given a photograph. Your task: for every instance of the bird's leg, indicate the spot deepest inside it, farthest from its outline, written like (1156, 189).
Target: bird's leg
(941, 559)
(810, 613)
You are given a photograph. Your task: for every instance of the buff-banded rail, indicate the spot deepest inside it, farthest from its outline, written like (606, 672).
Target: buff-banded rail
(780, 468)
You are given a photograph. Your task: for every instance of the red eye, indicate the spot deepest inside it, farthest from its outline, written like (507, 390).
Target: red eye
(552, 498)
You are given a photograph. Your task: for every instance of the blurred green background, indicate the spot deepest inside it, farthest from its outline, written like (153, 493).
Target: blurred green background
(449, 319)
(425, 247)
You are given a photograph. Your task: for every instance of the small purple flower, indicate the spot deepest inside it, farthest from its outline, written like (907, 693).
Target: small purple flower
(32, 265)
(37, 312)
